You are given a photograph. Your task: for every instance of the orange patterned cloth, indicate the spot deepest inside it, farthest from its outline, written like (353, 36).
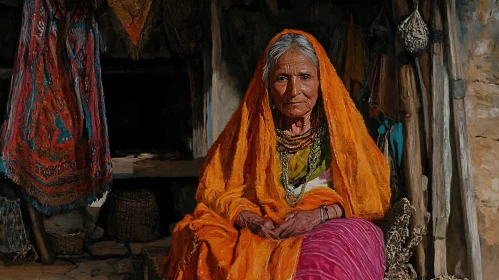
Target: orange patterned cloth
(133, 16)
(240, 173)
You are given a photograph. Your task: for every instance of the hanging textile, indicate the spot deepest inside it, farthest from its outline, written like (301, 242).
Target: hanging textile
(13, 237)
(382, 76)
(384, 95)
(134, 20)
(54, 141)
(353, 60)
(391, 142)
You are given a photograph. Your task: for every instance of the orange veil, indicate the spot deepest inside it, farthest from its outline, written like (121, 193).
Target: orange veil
(240, 173)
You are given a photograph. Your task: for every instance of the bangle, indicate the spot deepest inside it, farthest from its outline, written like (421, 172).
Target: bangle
(324, 213)
(335, 206)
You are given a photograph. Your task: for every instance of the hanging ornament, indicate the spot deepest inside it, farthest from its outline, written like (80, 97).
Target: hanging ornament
(414, 31)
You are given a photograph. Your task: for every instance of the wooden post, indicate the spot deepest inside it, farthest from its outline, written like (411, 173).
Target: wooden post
(422, 66)
(198, 107)
(412, 142)
(412, 159)
(216, 62)
(43, 244)
(425, 116)
(199, 99)
(225, 97)
(440, 161)
(463, 157)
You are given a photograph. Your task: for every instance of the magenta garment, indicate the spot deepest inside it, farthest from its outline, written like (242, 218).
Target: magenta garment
(343, 249)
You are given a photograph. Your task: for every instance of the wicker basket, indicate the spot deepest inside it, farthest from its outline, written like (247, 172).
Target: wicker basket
(68, 244)
(133, 216)
(66, 232)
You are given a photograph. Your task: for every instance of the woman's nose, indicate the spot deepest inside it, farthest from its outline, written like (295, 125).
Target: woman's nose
(293, 87)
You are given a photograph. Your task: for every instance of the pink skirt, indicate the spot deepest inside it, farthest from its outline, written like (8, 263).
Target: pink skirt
(342, 249)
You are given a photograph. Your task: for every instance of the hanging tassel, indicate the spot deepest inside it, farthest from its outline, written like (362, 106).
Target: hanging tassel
(414, 31)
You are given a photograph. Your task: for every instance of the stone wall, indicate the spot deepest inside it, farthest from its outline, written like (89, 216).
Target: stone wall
(479, 35)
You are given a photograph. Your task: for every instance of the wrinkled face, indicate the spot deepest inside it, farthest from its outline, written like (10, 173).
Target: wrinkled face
(294, 84)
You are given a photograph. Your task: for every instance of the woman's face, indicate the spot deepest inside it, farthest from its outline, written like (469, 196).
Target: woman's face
(294, 84)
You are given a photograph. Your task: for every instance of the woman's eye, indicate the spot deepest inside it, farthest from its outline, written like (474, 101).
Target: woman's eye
(281, 78)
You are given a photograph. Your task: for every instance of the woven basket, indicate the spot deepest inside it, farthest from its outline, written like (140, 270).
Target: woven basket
(68, 244)
(133, 216)
(66, 232)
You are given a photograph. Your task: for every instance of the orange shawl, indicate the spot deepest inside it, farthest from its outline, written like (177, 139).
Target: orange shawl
(240, 174)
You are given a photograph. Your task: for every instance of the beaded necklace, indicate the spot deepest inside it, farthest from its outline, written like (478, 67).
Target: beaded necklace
(293, 144)
(285, 146)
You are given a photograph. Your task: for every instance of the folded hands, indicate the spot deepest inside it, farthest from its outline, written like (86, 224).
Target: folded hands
(296, 223)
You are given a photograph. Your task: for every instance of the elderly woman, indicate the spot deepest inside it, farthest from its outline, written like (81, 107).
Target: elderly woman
(292, 184)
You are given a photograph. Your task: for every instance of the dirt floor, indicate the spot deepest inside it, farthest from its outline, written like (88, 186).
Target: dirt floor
(103, 260)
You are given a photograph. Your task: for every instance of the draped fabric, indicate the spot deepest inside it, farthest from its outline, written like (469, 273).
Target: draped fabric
(343, 249)
(353, 59)
(132, 15)
(240, 173)
(54, 141)
(134, 20)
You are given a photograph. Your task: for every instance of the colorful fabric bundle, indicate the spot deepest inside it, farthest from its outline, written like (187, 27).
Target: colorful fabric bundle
(54, 141)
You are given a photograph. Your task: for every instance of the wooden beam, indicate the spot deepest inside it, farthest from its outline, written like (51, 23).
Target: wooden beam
(43, 243)
(200, 77)
(130, 167)
(423, 65)
(453, 54)
(441, 164)
(224, 97)
(425, 116)
(216, 63)
(412, 160)
(198, 102)
(412, 139)
(465, 172)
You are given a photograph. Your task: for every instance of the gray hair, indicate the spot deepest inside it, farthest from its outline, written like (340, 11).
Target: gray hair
(281, 46)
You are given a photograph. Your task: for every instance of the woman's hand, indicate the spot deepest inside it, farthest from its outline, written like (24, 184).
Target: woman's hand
(298, 223)
(256, 224)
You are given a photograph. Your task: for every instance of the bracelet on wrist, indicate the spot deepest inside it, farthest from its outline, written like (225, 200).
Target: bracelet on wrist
(336, 207)
(324, 213)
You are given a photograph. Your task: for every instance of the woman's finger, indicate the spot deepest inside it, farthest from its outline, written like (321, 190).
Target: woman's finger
(269, 224)
(271, 234)
(283, 226)
(288, 231)
(290, 215)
